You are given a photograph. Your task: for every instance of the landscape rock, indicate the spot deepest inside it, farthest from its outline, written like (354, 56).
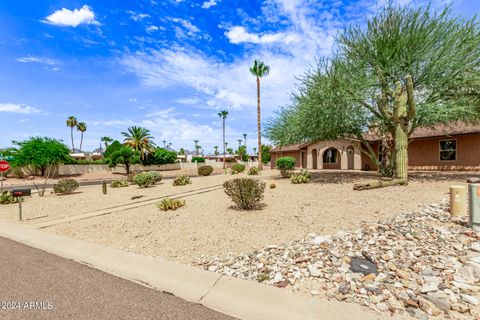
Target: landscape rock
(427, 264)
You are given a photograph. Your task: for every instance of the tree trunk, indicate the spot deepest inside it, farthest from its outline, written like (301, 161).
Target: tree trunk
(71, 135)
(260, 163)
(81, 142)
(223, 143)
(379, 184)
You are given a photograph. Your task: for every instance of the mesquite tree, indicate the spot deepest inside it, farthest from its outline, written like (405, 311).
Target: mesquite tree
(408, 68)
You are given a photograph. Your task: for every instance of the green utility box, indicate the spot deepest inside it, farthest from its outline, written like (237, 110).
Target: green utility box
(474, 204)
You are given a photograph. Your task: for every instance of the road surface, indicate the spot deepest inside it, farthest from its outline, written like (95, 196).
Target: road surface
(38, 285)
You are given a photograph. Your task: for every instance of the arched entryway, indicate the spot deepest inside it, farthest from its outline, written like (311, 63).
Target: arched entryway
(351, 158)
(314, 159)
(331, 159)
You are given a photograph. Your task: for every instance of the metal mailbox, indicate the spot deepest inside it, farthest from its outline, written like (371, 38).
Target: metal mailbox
(21, 192)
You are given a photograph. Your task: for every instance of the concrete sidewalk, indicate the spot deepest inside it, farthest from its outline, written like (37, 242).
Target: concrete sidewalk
(235, 297)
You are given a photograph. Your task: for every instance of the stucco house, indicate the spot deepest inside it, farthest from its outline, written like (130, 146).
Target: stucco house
(446, 148)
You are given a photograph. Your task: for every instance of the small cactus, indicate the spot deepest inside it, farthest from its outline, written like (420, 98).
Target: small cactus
(272, 186)
(104, 187)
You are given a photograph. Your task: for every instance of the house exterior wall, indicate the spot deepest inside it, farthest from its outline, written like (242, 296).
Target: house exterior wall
(296, 154)
(342, 158)
(424, 154)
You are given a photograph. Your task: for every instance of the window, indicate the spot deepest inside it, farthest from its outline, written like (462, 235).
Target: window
(448, 150)
(330, 156)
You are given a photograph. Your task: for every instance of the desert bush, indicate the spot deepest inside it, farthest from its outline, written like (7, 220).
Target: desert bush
(119, 183)
(17, 172)
(273, 185)
(205, 170)
(198, 159)
(170, 204)
(182, 180)
(253, 171)
(65, 186)
(144, 179)
(237, 168)
(246, 193)
(157, 177)
(7, 198)
(286, 165)
(301, 177)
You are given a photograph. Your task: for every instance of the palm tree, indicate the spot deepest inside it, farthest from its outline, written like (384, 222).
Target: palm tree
(106, 140)
(164, 144)
(82, 127)
(139, 138)
(245, 140)
(239, 143)
(72, 123)
(197, 146)
(169, 146)
(259, 70)
(216, 150)
(254, 150)
(223, 114)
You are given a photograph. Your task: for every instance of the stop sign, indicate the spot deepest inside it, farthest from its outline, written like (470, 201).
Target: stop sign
(4, 166)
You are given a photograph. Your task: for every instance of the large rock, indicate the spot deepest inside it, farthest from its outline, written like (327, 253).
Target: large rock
(428, 307)
(439, 299)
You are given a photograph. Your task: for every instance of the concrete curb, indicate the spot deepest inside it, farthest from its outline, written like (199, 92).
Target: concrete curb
(235, 297)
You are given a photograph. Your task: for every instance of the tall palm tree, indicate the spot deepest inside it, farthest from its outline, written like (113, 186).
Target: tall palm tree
(245, 140)
(259, 70)
(164, 144)
(197, 146)
(82, 127)
(223, 114)
(72, 123)
(106, 140)
(139, 138)
(239, 143)
(254, 151)
(216, 150)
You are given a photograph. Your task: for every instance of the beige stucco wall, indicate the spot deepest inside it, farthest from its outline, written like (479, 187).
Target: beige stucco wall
(342, 160)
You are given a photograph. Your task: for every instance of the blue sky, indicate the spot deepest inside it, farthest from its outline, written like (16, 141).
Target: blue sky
(167, 65)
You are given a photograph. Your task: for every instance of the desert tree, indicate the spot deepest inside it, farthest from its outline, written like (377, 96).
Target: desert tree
(72, 122)
(223, 115)
(139, 139)
(259, 70)
(407, 68)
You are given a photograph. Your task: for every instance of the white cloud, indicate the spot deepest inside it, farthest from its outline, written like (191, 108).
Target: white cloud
(17, 108)
(51, 64)
(239, 34)
(187, 25)
(137, 16)
(153, 28)
(115, 123)
(209, 3)
(72, 18)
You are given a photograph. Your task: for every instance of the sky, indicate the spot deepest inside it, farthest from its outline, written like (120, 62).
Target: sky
(169, 66)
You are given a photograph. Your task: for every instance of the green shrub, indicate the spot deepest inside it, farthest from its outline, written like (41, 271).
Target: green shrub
(182, 180)
(170, 204)
(205, 170)
(7, 198)
(144, 179)
(160, 156)
(273, 185)
(198, 159)
(65, 186)
(301, 177)
(17, 172)
(246, 193)
(157, 177)
(253, 171)
(286, 165)
(237, 168)
(119, 183)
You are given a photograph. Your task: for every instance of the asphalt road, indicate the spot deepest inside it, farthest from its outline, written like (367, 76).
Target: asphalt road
(37, 285)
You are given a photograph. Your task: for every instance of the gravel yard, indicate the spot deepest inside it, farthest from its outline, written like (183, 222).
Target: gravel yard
(209, 225)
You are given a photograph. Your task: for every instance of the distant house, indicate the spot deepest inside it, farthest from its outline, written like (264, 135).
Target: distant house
(445, 148)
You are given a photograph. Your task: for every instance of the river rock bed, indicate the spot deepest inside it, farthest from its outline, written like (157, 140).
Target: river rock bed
(428, 265)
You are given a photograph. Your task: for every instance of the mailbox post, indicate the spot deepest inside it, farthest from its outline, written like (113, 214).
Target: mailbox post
(19, 193)
(474, 204)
